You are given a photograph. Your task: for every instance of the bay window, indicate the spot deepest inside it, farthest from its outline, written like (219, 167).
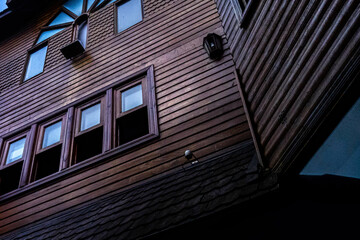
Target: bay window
(108, 122)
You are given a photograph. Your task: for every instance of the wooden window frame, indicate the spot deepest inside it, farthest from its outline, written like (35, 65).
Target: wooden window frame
(41, 131)
(84, 106)
(70, 119)
(27, 153)
(29, 52)
(6, 147)
(118, 93)
(118, 107)
(38, 145)
(77, 125)
(242, 15)
(116, 5)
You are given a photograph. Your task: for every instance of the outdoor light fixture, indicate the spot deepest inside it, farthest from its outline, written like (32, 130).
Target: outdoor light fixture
(213, 46)
(73, 49)
(189, 155)
(77, 46)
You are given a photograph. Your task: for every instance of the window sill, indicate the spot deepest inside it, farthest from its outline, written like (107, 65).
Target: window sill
(80, 167)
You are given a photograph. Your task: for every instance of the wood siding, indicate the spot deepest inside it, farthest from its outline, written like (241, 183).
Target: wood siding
(199, 106)
(293, 56)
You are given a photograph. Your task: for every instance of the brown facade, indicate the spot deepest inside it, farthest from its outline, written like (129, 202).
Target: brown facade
(249, 117)
(198, 103)
(295, 60)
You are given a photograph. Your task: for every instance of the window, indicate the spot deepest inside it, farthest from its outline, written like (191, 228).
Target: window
(73, 13)
(128, 14)
(16, 150)
(48, 150)
(48, 33)
(89, 130)
(241, 9)
(131, 112)
(114, 119)
(12, 159)
(36, 62)
(3, 5)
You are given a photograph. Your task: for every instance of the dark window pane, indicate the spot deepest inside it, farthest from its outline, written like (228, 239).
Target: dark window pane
(36, 63)
(16, 150)
(52, 134)
(128, 13)
(340, 153)
(46, 34)
(10, 178)
(61, 18)
(88, 145)
(47, 162)
(82, 34)
(74, 6)
(90, 117)
(131, 98)
(133, 126)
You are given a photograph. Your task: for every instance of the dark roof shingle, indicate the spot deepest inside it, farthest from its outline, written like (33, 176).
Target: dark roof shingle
(166, 202)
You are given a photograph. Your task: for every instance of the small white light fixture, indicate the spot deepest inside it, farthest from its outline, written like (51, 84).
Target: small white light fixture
(189, 155)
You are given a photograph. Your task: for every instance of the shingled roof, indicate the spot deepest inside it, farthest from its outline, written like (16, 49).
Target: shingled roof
(171, 200)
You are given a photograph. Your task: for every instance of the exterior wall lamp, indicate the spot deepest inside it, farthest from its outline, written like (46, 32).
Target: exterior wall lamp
(213, 46)
(79, 35)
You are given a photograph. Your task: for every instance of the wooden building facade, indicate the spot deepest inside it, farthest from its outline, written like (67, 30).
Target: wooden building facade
(99, 100)
(295, 59)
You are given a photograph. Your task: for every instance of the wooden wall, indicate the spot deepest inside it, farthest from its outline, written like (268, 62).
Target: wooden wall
(199, 106)
(292, 57)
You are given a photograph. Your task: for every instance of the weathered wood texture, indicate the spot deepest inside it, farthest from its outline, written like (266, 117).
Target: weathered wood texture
(199, 106)
(291, 56)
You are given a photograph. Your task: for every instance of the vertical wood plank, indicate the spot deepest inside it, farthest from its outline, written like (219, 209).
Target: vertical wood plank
(152, 109)
(1, 151)
(25, 173)
(107, 133)
(66, 148)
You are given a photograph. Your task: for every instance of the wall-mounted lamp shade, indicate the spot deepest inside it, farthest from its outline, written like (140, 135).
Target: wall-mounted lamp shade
(213, 46)
(16, 150)
(131, 98)
(52, 134)
(73, 49)
(128, 14)
(36, 63)
(90, 117)
(61, 18)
